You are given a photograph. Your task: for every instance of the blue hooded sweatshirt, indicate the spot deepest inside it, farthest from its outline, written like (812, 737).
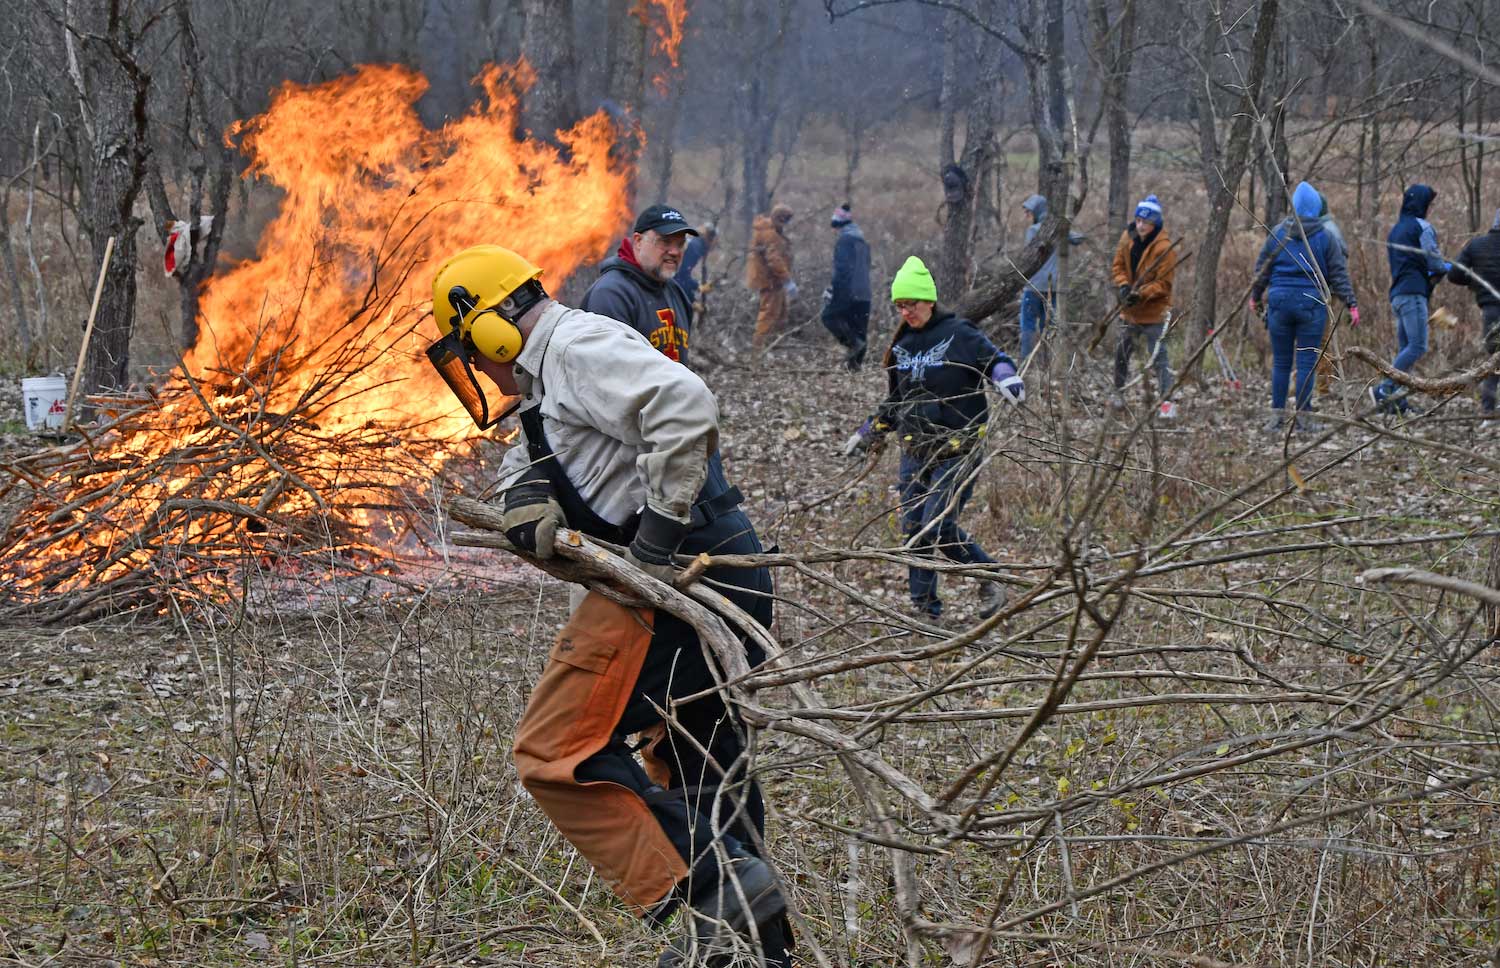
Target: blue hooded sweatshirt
(1044, 278)
(1416, 263)
(1301, 250)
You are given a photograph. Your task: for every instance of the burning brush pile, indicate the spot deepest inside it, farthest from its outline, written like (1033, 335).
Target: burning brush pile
(305, 426)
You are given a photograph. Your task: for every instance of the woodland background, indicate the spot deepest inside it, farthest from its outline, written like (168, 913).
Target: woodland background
(1242, 709)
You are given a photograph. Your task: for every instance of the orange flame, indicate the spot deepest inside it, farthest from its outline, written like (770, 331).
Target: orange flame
(668, 27)
(313, 351)
(373, 198)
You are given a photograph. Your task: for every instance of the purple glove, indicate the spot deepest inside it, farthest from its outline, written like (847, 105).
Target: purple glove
(859, 441)
(1003, 374)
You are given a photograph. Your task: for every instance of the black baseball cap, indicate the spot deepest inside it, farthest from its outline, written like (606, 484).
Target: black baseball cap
(664, 220)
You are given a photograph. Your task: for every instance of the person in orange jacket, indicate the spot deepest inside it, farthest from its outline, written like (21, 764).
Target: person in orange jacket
(1142, 273)
(768, 271)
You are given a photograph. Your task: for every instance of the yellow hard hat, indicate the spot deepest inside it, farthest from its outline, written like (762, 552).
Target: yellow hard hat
(470, 294)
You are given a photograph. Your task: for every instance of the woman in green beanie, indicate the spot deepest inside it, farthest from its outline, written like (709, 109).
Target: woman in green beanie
(937, 369)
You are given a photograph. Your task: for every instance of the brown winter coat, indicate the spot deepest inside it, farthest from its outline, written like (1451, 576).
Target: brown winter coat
(769, 265)
(1152, 278)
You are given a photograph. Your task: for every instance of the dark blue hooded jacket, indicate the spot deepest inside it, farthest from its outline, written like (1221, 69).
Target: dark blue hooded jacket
(687, 272)
(1300, 250)
(850, 287)
(1416, 263)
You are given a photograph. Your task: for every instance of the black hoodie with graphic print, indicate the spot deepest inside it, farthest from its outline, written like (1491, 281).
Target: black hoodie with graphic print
(936, 377)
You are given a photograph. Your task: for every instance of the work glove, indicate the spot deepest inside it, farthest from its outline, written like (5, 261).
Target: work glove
(532, 514)
(1009, 384)
(1132, 297)
(869, 434)
(655, 542)
(827, 296)
(1123, 293)
(791, 289)
(1353, 315)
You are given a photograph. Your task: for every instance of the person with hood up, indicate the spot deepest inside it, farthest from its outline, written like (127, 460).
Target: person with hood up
(1478, 267)
(846, 302)
(1143, 269)
(1039, 298)
(637, 285)
(1300, 263)
(1417, 267)
(768, 272)
(937, 369)
(692, 275)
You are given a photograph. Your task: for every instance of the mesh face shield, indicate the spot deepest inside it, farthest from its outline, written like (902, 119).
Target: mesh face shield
(450, 358)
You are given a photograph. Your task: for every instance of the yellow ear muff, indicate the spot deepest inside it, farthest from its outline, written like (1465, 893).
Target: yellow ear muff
(496, 339)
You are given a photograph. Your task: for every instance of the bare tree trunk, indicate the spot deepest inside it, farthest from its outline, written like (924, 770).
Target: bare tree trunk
(1053, 169)
(13, 279)
(1222, 180)
(666, 141)
(40, 289)
(627, 82)
(547, 44)
(115, 87)
(948, 94)
(1275, 157)
(758, 100)
(1372, 44)
(440, 57)
(1115, 49)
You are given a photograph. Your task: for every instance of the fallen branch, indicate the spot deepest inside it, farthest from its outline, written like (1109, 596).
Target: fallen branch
(1416, 576)
(1452, 383)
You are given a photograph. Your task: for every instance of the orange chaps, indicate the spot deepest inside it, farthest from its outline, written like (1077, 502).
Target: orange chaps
(644, 828)
(570, 717)
(770, 319)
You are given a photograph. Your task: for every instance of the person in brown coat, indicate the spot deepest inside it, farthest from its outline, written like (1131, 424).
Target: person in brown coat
(1142, 272)
(768, 271)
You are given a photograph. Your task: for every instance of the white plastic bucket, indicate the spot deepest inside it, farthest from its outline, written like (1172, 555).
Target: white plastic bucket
(44, 398)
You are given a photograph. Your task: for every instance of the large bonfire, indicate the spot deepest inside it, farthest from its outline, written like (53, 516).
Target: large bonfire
(298, 425)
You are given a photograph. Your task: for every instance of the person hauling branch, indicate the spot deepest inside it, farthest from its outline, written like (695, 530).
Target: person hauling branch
(1143, 269)
(638, 286)
(1478, 267)
(1417, 267)
(846, 301)
(1298, 266)
(768, 272)
(616, 444)
(937, 369)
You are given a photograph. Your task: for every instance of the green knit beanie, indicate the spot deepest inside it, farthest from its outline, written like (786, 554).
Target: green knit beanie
(913, 281)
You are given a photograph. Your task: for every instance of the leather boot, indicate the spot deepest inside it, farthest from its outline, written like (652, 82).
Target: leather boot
(992, 598)
(711, 923)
